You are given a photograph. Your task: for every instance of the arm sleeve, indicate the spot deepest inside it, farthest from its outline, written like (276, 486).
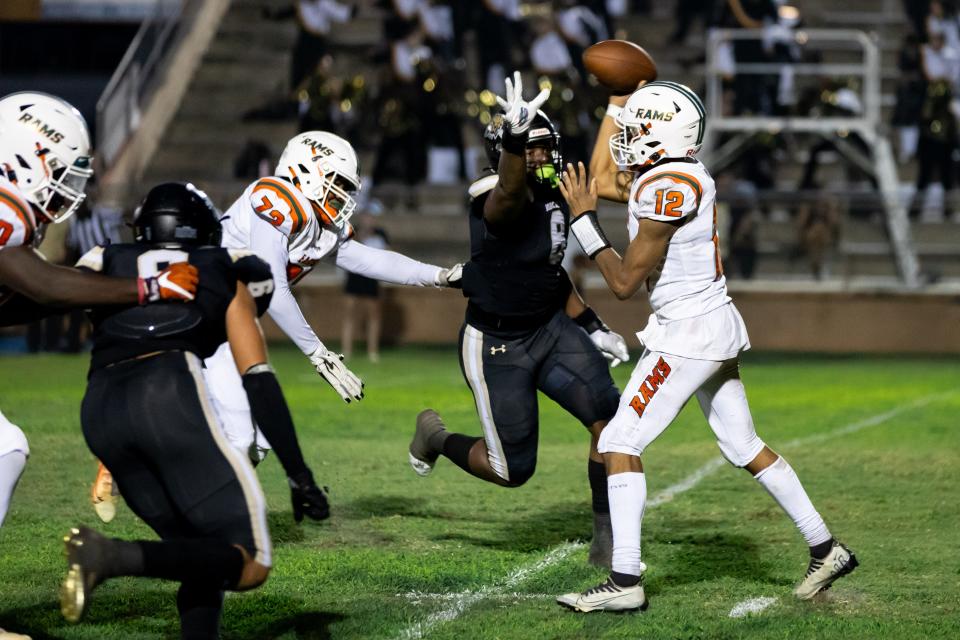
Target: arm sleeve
(386, 266)
(284, 309)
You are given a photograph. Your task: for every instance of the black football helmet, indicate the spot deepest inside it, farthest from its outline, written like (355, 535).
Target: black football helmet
(176, 214)
(542, 133)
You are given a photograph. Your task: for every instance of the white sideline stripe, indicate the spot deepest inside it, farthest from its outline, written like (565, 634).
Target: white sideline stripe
(465, 599)
(753, 605)
(416, 597)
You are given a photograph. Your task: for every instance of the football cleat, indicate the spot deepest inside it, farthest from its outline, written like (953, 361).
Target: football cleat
(86, 556)
(606, 596)
(9, 635)
(422, 455)
(102, 494)
(823, 572)
(601, 547)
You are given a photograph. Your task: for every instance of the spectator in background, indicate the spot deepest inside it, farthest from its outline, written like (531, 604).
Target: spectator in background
(836, 102)
(911, 88)
(942, 19)
(315, 18)
(744, 222)
(362, 293)
(581, 25)
(938, 122)
(686, 13)
(917, 11)
(498, 32)
(818, 227)
(404, 109)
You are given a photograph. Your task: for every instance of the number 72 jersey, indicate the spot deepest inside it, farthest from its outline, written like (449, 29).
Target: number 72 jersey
(690, 279)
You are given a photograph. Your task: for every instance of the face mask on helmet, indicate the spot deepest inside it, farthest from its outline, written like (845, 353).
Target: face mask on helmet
(324, 167)
(543, 135)
(45, 152)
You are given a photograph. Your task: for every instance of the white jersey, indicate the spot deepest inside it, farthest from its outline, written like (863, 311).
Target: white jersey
(17, 223)
(690, 281)
(277, 222)
(692, 314)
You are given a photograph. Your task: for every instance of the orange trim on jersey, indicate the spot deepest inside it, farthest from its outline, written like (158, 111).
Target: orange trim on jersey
(298, 217)
(677, 178)
(16, 204)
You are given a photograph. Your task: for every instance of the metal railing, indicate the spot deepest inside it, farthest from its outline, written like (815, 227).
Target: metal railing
(866, 123)
(119, 107)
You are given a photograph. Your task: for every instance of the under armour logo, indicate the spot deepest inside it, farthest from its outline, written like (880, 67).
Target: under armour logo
(502, 349)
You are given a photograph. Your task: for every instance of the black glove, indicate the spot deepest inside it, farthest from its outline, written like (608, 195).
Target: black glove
(307, 498)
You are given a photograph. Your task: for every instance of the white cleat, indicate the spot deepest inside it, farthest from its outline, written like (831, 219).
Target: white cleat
(422, 456)
(606, 596)
(822, 573)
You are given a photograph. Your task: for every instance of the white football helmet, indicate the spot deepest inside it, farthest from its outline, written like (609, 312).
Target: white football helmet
(660, 120)
(45, 151)
(325, 168)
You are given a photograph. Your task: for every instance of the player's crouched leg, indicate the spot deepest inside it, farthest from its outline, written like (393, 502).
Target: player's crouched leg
(14, 452)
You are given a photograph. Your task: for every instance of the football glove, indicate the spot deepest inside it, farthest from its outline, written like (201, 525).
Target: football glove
(330, 366)
(176, 282)
(307, 498)
(611, 345)
(516, 112)
(452, 277)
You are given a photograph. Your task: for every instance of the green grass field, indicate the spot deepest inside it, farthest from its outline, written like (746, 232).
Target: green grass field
(875, 440)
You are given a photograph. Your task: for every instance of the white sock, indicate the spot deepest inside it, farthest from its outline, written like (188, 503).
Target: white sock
(781, 482)
(11, 467)
(628, 497)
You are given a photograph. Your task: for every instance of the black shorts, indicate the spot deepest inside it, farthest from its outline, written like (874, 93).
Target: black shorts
(560, 360)
(150, 422)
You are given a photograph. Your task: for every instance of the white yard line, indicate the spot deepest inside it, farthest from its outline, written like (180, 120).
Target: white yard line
(466, 599)
(753, 605)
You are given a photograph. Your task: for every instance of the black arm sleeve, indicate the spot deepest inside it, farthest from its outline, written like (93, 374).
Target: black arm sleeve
(270, 410)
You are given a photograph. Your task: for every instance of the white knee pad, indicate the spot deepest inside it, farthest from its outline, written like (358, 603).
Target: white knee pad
(741, 452)
(12, 438)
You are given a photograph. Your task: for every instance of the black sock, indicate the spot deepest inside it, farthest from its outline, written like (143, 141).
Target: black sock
(199, 607)
(437, 440)
(597, 473)
(457, 447)
(624, 579)
(820, 551)
(208, 562)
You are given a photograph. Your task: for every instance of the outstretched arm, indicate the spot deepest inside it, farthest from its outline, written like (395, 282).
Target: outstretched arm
(386, 266)
(624, 275)
(24, 271)
(268, 405)
(612, 183)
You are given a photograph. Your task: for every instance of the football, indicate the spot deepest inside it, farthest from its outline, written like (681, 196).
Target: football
(619, 65)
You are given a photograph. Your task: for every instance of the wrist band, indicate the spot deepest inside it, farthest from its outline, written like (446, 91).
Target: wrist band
(515, 144)
(587, 230)
(590, 321)
(614, 111)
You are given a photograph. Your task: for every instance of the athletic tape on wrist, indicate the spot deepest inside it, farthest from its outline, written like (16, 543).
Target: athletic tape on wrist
(614, 111)
(589, 234)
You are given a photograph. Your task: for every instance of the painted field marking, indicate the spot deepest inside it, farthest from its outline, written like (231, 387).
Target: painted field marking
(465, 599)
(753, 605)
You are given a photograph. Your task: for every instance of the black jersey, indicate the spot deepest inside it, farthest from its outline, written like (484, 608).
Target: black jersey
(124, 332)
(514, 280)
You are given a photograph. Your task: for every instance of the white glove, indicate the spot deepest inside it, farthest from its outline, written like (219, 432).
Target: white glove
(611, 345)
(452, 277)
(517, 113)
(330, 366)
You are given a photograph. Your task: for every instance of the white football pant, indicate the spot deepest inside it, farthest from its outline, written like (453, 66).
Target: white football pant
(659, 387)
(14, 451)
(229, 400)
